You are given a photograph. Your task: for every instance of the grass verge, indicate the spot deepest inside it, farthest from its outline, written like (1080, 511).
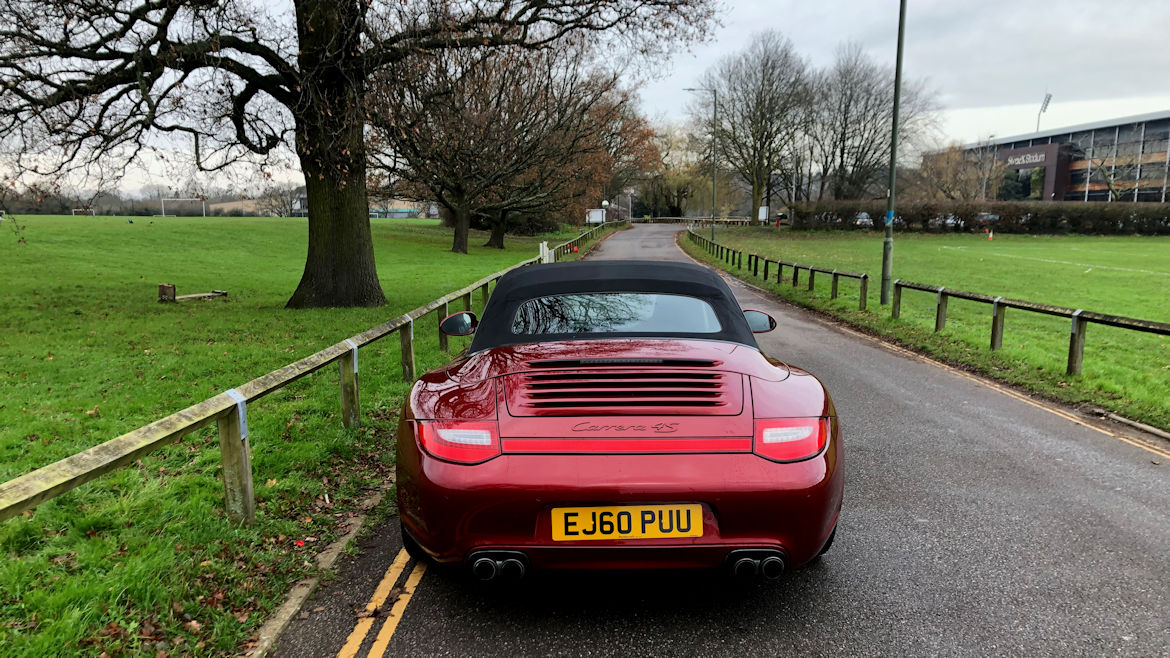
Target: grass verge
(143, 559)
(1124, 371)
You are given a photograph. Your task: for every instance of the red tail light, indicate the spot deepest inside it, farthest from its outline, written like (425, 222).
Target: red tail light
(790, 439)
(463, 442)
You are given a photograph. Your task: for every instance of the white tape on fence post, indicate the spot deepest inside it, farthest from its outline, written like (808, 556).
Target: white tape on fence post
(353, 350)
(241, 411)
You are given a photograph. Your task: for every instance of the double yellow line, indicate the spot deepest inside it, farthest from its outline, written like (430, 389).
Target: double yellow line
(356, 638)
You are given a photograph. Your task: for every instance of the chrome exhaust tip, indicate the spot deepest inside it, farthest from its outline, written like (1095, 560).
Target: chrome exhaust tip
(772, 567)
(485, 569)
(745, 567)
(512, 569)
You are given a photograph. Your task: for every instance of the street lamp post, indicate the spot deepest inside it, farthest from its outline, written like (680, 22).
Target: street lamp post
(714, 147)
(888, 243)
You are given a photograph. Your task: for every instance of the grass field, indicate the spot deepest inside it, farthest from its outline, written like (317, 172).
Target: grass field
(1125, 371)
(145, 555)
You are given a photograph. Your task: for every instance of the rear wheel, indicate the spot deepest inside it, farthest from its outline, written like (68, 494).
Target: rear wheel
(829, 542)
(412, 548)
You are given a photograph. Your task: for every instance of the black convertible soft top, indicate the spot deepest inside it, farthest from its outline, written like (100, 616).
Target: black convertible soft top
(631, 276)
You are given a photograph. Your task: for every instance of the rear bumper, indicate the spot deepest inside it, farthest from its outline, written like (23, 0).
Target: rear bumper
(452, 510)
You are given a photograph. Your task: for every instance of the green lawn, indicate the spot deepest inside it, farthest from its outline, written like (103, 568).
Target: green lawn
(1125, 371)
(145, 554)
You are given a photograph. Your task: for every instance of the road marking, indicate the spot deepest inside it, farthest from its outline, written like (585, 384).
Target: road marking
(1067, 262)
(387, 632)
(362, 628)
(767, 296)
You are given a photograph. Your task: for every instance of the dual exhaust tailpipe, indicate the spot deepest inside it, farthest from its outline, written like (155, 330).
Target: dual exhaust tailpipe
(752, 563)
(489, 566)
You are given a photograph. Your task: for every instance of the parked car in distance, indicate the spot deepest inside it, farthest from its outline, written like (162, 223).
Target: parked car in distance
(862, 220)
(986, 219)
(617, 415)
(949, 222)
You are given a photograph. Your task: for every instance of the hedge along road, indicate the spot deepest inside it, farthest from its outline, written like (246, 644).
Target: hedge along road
(975, 522)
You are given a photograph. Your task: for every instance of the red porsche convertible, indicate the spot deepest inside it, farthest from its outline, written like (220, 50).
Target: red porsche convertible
(617, 415)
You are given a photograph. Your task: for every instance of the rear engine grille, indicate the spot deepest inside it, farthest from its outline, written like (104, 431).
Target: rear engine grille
(615, 392)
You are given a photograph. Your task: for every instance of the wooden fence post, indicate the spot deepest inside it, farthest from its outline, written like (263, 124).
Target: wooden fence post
(237, 462)
(406, 334)
(739, 260)
(347, 366)
(997, 313)
(756, 266)
(766, 262)
(467, 301)
(833, 289)
(779, 271)
(444, 311)
(940, 310)
(812, 277)
(1076, 344)
(795, 275)
(896, 305)
(485, 293)
(864, 298)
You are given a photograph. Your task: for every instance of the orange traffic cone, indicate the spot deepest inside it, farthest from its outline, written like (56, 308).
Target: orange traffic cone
(990, 235)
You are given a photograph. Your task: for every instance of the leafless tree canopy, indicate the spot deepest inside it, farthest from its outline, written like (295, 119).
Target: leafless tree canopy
(494, 131)
(807, 134)
(85, 85)
(763, 94)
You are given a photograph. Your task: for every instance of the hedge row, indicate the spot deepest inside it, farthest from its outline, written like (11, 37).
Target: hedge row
(1118, 218)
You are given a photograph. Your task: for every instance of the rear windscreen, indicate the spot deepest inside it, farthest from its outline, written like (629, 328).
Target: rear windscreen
(615, 312)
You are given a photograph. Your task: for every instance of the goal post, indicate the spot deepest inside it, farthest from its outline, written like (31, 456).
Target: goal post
(162, 205)
(84, 211)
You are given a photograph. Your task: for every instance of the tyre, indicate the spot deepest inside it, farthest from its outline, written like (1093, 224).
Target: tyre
(829, 542)
(412, 548)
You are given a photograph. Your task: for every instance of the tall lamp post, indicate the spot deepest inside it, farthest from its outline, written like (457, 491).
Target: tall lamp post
(888, 243)
(714, 147)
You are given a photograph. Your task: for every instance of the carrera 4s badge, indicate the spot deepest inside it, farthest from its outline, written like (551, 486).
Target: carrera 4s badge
(657, 428)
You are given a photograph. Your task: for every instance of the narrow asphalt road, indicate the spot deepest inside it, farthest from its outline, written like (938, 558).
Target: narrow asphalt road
(974, 523)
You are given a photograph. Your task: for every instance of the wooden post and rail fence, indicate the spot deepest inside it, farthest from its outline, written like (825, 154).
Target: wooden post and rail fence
(758, 264)
(229, 410)
(1080, 318)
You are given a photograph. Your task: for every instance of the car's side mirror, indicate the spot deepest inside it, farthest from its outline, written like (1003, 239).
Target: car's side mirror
(759, 321)
(462, 323)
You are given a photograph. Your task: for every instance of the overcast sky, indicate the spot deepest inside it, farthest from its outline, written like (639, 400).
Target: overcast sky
(989, 60)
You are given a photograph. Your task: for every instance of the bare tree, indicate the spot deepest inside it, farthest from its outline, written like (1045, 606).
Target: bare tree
(676, 178)
(763, 92)
(1117, 170)
(86, 85)
(959, 174)
(852, 114)
(278, 200)
(491, 131)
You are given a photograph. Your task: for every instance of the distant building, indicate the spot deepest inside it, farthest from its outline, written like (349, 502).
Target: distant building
(1124, 159)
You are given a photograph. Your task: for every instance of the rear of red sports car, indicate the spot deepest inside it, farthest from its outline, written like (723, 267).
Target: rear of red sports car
(616, 449)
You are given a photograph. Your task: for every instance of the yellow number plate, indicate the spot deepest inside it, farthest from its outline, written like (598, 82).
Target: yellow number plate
(627, 522)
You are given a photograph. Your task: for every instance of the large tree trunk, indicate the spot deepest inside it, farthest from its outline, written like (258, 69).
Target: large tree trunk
(462, 228)
(339, 265)
(499, 227)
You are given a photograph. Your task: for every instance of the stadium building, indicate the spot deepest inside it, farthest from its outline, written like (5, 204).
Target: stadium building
(1124, 159)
